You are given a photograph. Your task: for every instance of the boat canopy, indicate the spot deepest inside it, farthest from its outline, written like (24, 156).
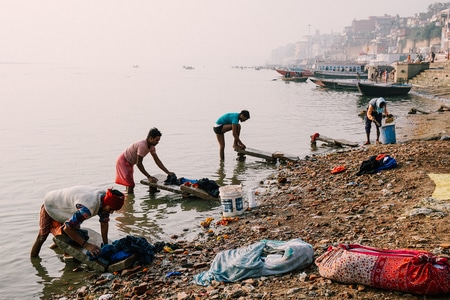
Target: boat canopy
(340, 68)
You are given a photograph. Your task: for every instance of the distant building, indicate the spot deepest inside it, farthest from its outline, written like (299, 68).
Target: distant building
(369, 38)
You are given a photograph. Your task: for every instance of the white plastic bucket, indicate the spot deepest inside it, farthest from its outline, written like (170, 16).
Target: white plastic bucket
(231, 198)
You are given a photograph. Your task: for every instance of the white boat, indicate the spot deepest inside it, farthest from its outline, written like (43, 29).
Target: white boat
(340, 69)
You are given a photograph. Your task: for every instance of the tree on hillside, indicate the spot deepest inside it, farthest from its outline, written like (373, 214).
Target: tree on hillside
(426, 33)
(436, 7)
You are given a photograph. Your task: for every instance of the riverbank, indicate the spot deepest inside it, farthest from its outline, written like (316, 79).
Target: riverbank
(304, 200)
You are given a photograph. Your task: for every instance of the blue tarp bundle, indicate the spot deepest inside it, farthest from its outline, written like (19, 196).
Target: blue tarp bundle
(125, 247)
(263, 258)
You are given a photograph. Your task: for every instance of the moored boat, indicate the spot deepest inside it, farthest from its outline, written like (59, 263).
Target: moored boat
(295, 79)
(343, 69)
(294, 72)
(383, 89)
(336, 84)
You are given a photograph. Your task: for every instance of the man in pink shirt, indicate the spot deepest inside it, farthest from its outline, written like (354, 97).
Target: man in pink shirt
(134, 155)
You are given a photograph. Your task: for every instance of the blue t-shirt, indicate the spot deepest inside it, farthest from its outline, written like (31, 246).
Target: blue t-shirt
(229, 118)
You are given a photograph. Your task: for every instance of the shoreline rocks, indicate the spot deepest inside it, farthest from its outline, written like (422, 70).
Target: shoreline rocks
(305, 200)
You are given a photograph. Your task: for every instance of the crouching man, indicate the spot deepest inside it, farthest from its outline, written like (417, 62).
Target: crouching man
(64, 210)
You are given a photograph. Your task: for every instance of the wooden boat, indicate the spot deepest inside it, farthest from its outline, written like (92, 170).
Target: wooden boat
(295, 79)
(294, 72)
(340, 69)
(383, 89)
(336, 84)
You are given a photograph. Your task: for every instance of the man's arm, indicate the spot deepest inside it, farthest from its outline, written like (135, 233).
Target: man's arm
(237, 141)
(160, 165)
(369, 113)
(104, 226)
(73, 234)
(140, 165)
(75, 221)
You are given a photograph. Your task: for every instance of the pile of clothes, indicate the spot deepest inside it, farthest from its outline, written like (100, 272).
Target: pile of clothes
(377, 163)
(125, 247)
(209, 186)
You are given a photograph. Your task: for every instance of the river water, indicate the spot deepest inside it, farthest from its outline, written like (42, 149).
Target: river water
(65, 125)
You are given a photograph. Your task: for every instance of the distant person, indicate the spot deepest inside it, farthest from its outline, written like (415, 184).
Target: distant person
(376, 75)
(433, 56)
(64, 210)
(375, 110)
(418, 59)
(227, 122)
(134, 155)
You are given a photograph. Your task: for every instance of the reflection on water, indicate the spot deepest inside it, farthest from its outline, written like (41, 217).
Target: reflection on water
(70, 277)
(156, 216)
(60, 135)
(239, 170)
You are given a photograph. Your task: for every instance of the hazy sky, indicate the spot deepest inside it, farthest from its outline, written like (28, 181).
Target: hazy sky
(185, 32)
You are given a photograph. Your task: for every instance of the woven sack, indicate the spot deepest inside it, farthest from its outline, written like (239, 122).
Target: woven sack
(410, 271)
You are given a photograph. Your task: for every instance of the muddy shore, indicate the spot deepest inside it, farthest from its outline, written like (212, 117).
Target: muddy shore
(304, 200)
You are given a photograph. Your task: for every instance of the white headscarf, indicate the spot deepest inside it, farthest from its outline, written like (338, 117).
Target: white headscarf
(380, 100)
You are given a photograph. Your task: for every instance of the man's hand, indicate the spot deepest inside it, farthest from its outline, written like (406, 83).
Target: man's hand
(239, 145)
(94, 250)
(152, 179)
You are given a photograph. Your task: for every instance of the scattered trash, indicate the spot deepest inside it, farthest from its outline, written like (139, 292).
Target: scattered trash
(105, 297)
(107, 275)
(338, 169)
(206, 223)
(170, 274)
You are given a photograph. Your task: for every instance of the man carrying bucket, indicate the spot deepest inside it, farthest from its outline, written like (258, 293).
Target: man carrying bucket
(375, 110)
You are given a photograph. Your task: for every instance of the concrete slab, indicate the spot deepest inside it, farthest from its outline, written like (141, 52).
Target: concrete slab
(268, 156)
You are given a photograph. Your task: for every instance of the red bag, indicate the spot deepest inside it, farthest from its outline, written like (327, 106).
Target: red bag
(416, 272)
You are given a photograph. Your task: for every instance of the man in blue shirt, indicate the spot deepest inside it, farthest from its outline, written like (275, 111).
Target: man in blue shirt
(227, 122)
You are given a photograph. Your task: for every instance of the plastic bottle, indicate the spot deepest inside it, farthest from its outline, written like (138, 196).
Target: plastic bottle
(251, 198)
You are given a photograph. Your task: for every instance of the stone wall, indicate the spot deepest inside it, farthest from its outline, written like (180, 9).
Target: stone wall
(411, 45)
